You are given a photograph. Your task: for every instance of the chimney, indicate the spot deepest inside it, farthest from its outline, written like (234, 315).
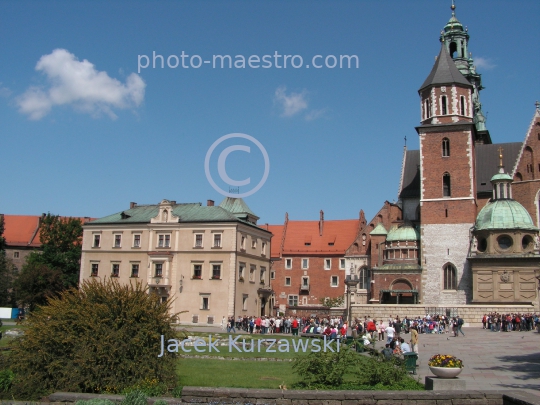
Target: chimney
(132, 205)
(209, 203)
(321, 222)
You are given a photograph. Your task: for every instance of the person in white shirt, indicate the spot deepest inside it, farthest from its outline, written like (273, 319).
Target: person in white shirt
(389, 333)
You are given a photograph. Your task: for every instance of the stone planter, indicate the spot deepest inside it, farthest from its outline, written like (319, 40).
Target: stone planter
(445, 372)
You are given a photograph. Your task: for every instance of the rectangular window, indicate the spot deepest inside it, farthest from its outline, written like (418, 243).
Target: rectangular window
(197, 271)
(293, 300)
(205, 302)
(263, 274)
(97, 241)
(198, 240)
(241, 271)
(305, 263)
(245, 302)
(159, 270)
(117, 241)
(272, 275)
(305, 282)
(164, 241)
(15, 255)
(287, 281)
(327, 264)
(137, 241)
(263, 248)
(288, 263)
(342, 264)
(216, 271)
(115, 270)
(334, 281)
(134, 270)
(443, 103)
(253, 243)
(243, 243)
(252, 273)
(95, 268)
(217, 240)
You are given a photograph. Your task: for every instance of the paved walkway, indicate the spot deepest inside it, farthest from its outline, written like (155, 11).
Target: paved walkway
(493, 360)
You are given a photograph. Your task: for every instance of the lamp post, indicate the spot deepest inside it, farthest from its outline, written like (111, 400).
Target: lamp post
(351, 281)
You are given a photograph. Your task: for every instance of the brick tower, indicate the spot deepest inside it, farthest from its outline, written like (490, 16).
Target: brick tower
(452, 124)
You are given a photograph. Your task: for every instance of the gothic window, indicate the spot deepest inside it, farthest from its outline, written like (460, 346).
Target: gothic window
(446, 147)
(453, 49)
(519, 177)
(462, 105)
(446, 185)
(364, 278)
(427, 109)
(449, 277)
(443, 105)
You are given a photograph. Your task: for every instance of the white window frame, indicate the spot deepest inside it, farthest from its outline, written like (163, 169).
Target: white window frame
(204, 307)
(245, 302)
(214, 238)
(328, 264)
(253, 242)
(193, 276)
(288, 281)
(288, 263)
(16, 255)
(92, 274)
(332, 281)
(117, 241)
(305, 281)
(263, 248)
(294, 298)
(252, 270)
(220, 265)
(197, 245)
(136, 237)
(164, 240)
(263, 273)
(138, 270)
(272, 275)
(243, 242)
(241, 271)
(97, 236)
(117, 265)
(305, 264)
(156, 264)
(342, 264)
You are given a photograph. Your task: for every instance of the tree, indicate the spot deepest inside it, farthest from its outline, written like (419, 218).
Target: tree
(102, 337)
(61, 240)
(332, 302)
(7, 271)
(36, 283)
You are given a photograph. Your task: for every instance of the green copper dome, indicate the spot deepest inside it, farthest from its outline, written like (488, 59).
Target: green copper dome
(501, 176)
(403, 233)
(504, 214)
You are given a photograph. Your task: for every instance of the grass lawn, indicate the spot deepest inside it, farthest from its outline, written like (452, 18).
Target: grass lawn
(237, 374)
(6, 339)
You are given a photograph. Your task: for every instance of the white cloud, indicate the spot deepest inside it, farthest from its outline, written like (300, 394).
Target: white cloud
(4, 91)
(483, 63)
(291, 103)
(79, 84)
(315, 114)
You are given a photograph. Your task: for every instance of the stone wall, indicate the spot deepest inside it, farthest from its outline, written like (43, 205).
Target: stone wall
(296, 397)
(471, 314)
(443, 244)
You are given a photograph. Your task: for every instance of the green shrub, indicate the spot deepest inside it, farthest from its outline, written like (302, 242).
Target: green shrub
(150, 387)
(135, 398)
(104, 337)
(348, 370)
(95, 402)
(177, 392)
(6, 378)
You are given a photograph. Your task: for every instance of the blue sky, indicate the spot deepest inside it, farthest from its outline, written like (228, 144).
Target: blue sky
(82, 133)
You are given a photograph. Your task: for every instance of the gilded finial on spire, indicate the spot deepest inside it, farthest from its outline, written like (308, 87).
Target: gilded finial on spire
(453, 7)
(500, 156)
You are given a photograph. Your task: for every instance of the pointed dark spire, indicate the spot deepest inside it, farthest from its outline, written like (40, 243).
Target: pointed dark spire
(444, 72)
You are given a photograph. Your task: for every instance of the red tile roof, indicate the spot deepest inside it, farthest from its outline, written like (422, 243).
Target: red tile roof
(23, 230)
(304, 237)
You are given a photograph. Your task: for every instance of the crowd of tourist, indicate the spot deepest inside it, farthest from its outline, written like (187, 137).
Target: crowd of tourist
(496, 322)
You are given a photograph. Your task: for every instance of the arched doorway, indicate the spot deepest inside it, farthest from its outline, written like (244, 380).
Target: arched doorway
(401, 291)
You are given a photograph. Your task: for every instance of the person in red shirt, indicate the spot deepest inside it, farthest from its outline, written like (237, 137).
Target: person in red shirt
(294, 326)
(371, 328)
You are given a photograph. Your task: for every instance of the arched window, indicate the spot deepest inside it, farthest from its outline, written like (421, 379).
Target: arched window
(446, 185)
(446, 147)
(443, 105)
(449, 277)
(427, 108)
(363, 276)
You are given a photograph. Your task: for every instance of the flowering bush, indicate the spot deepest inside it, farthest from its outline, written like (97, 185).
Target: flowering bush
(445, 360)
